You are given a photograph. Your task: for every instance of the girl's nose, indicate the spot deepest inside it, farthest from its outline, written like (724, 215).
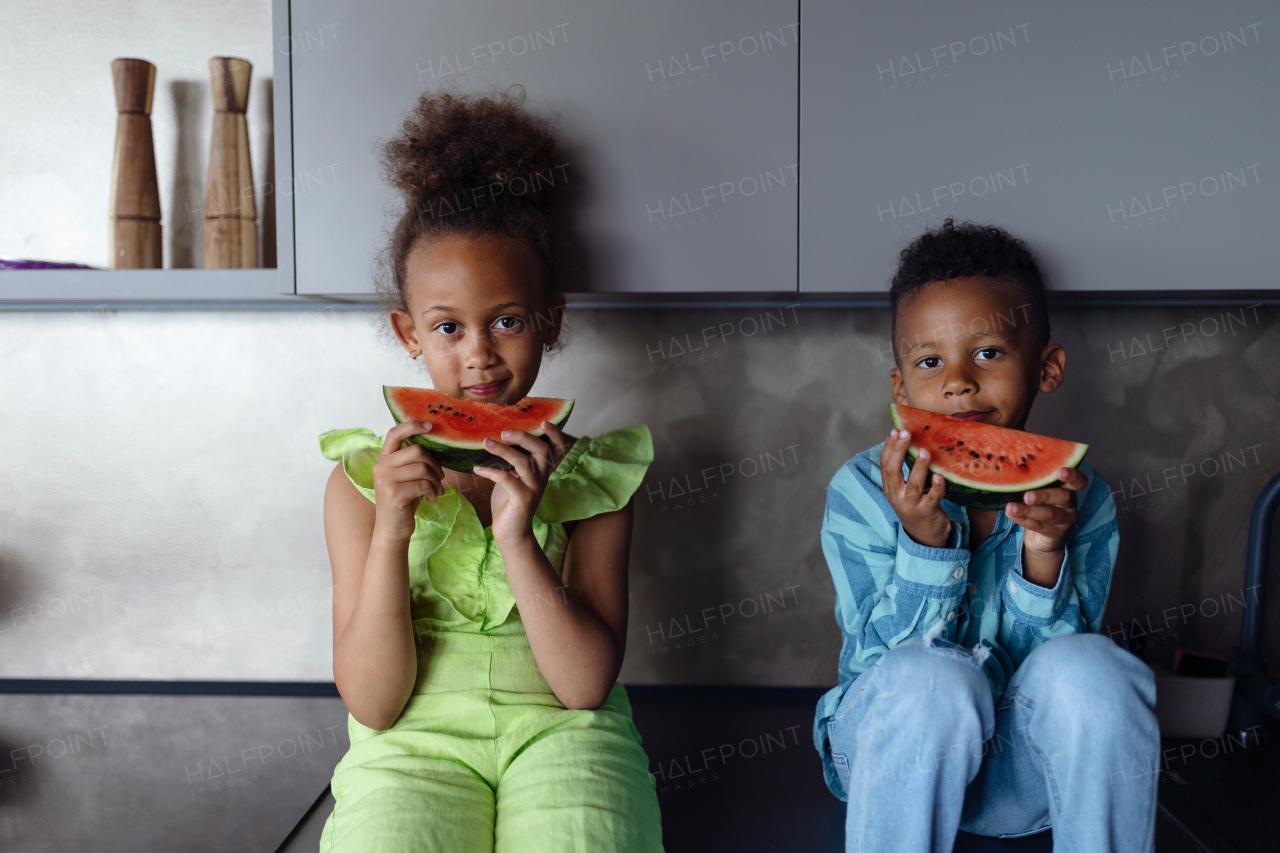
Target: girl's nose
(481, 352)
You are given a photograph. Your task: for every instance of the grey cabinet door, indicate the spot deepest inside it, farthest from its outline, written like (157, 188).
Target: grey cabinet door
(681, 121)
(1133, 144)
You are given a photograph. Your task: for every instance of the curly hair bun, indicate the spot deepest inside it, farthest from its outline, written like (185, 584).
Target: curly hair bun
(460, 152)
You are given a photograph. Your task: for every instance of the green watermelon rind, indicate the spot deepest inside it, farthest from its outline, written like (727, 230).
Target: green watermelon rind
(966, 492)
(464, 456)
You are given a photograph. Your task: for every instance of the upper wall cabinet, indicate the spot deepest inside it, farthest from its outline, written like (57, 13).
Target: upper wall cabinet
(679, 122)
(1135, 145)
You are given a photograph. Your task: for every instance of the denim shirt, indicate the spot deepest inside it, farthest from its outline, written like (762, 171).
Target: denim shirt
(890, 588)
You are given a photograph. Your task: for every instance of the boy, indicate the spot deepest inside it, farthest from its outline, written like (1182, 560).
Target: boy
(975, 690)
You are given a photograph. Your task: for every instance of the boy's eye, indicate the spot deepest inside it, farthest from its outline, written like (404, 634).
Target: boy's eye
(991, 351)
(929, 361)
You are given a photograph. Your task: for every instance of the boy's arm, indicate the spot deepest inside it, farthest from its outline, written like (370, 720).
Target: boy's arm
(1032, 614)
(888, 587)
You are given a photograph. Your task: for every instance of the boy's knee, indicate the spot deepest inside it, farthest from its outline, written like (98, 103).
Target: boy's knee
(1085, 667)
(936, 676)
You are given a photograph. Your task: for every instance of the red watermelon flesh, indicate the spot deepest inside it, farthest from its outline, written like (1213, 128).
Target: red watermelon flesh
(459, 427)
(985, 466)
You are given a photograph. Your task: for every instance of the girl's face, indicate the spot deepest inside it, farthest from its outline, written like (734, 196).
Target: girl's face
(480, 315)
(965, 346)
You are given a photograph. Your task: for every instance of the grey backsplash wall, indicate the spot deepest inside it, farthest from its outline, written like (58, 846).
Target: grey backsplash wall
(161, 493)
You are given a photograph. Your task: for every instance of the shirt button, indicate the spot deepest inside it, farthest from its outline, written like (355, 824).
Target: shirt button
(958, 572)
(951, 615)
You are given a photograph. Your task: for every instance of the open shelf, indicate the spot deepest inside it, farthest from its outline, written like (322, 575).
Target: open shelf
(181, 285)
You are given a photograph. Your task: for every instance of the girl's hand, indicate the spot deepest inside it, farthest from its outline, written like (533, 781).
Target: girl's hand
(919, 512)
(516, 493)
(402, 476)
(1048, 514)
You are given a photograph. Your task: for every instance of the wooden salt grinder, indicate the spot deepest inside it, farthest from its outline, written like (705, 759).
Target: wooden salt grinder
(230, 212)
(134, 237)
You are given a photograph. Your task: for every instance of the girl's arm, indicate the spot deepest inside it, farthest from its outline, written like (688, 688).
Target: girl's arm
(375, 659)
(577, 626)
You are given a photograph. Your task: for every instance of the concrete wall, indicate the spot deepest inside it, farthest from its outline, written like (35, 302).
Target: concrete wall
(160, 512)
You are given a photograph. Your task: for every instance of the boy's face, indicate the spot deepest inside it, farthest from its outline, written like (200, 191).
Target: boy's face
(965, 348)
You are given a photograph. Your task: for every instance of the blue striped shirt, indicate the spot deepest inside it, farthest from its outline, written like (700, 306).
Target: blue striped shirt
(889, 587)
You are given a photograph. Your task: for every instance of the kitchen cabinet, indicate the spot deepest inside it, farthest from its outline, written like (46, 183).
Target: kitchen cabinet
(1133, 145)
(680, 124)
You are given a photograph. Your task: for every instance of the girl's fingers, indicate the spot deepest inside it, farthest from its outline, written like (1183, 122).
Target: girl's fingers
(558, 442)
(518, 460)
(506, 479)
(538, 449)
(398, 434)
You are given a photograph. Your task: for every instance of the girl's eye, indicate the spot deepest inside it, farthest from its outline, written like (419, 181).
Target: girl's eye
(509, 323)
(992, 350)
(447, 327)
(925, 362)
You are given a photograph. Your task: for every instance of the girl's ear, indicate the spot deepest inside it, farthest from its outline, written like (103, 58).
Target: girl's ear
(554, 319)
(406, 332)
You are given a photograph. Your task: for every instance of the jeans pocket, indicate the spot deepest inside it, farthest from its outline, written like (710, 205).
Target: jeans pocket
(841, 763)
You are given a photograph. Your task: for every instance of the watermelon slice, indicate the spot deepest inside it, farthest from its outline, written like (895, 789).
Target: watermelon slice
(985, 466)
(459, 427)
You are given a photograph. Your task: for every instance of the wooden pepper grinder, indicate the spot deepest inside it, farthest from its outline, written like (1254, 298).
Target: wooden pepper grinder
(134, 237)
(230, 212)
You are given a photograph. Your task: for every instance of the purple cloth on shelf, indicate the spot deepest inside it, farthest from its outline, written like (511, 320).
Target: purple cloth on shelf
(19, 264)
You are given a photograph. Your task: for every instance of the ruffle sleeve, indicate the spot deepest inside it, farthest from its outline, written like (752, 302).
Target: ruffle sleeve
(598, 475)
(359, 449)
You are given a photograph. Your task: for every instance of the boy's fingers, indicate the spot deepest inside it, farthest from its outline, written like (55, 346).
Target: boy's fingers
(1049, 497)
(891, 457)
(918, 481)
(937, 489)
(1037, 515)
(1075, 480)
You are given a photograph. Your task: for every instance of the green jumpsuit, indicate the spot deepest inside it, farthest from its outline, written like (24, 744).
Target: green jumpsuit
(484, 757)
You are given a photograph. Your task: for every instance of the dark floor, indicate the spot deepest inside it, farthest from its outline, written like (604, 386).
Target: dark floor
(107, 773)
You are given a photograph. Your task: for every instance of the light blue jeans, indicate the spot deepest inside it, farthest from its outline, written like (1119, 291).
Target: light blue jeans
(923, 750)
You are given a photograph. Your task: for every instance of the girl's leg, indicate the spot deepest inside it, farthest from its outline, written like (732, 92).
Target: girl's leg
(1078, 724)
(579, 782)
(399, 802)
(906, 742)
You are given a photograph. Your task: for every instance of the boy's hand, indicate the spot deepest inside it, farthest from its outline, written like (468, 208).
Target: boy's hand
(1046, 516)
(919, 511)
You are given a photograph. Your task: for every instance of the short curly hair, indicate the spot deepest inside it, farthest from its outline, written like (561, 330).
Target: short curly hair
(473, 165)
(971, 249)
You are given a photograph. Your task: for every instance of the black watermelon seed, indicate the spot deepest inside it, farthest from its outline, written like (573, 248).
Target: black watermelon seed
(926, 426)
(1002, 458)
(1022, 465)
(988, 455)
(959, 442)
(973, 453)
(1031, 456)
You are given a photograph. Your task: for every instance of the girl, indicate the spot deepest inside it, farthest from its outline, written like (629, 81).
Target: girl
(477, 633)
